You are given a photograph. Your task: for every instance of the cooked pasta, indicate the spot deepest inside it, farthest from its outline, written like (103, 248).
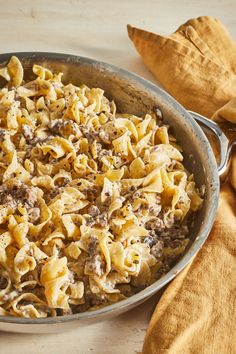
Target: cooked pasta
(95, 205)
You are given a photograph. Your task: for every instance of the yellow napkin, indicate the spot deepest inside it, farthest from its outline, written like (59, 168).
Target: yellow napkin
(196, 64)
(197, 312)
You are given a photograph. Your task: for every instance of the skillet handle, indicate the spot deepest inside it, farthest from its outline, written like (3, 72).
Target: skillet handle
(225, 145)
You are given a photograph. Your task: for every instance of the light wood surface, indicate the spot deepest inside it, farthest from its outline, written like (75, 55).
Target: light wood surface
(95, 29)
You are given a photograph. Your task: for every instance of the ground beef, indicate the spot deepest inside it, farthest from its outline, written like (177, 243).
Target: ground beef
(93, 244)
(93, 210)
(80, 308)
(53, 193)
(90, 193)
(94, 262)
(174, 236)
(26, 195)
(101, 220)
(143, 207)
(96, 300)
(2, 135)
(3, 282)
(27, 277)
(55, 125)
(109, 132)
(155, 224)
(178, 231)
(125, 289)
(156, 249)
(18, 193)
(149, 240)
(63, 127)
(89, 221)
(91, 300)
(62, 182)
(8, 200)
(91, 136)
(28, 133)
(165, 267)
(63, 312)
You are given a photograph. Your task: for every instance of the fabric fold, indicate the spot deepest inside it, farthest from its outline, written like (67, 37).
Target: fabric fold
(185, 59)
(197, 312)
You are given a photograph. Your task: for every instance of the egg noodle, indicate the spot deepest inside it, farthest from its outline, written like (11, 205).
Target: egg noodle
(94, 204)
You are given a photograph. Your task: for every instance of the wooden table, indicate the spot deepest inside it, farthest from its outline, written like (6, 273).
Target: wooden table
(95, 29)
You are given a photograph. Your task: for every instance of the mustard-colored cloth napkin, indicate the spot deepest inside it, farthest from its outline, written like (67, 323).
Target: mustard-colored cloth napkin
(197, 312)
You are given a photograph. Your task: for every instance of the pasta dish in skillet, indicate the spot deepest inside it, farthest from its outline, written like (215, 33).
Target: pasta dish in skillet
(95, 205)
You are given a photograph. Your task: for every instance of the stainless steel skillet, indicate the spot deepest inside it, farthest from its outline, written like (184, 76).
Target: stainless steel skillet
(138, 96)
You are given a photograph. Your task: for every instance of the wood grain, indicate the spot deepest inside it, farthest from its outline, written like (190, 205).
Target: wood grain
(95, 29)
(121, 335)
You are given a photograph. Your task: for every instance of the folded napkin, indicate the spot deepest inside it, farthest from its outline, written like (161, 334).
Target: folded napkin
(197, 312)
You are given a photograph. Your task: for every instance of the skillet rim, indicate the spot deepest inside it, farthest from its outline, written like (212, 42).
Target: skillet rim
(124, 305)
